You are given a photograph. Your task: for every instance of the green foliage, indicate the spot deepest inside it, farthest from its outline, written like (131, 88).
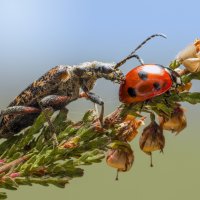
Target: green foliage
(31, 157)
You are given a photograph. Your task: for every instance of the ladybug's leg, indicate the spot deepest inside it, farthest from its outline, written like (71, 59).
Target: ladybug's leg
(143, 104)
(97, 100)
(167, 94)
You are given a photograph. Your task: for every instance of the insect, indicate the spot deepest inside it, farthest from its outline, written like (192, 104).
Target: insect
(57, 88)
(147, 81)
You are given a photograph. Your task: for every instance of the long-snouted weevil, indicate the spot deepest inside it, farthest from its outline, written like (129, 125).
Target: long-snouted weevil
(57, 88)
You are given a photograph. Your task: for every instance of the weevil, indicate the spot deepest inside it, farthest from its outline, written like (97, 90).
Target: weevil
(57, 88)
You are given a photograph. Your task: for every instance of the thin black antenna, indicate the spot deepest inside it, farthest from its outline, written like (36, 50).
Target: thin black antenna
(132, 54)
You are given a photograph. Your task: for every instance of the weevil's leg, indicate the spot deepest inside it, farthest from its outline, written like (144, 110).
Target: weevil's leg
(51, 126)
(56, 102)
(96, 109)
(19, 110)
(84, 95)
(95, 99)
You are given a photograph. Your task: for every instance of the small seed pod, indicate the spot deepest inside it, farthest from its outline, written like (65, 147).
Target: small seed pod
(120, 156)
(190, 57)
(152, 139)
(176, 123)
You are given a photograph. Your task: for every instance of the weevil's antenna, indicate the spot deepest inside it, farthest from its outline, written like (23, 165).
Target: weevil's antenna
(132, 54)
(127, 58)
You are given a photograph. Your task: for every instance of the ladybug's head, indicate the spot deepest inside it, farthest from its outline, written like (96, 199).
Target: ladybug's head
(175, 77)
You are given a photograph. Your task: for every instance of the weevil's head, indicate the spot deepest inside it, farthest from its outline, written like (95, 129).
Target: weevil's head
(109, 72)
(92, 71)
(115, 76)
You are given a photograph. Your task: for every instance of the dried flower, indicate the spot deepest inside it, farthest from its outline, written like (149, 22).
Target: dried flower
(190, 57)
(152, 139)
(129, 127)
(71, 143)
(177, 122)
(185, 88)
(120, 156)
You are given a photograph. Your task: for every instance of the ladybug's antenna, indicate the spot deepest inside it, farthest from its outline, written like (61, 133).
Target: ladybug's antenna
(132, 54)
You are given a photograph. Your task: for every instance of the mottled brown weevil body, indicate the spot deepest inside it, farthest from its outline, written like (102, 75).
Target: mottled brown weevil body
(56, 88)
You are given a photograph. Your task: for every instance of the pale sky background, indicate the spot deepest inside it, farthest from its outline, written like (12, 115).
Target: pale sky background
(36, 35)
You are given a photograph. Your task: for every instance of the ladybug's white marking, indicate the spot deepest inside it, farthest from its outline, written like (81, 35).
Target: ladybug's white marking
(154, 69)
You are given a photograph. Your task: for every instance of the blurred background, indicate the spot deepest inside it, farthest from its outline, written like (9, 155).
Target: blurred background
(38, 35)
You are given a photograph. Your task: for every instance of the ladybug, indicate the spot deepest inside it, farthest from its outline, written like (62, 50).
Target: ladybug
(147, 81)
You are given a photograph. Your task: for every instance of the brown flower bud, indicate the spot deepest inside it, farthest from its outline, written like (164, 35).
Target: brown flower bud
(152, 139)
(120, 156)
(176, 123)
(71, 143)
(190, 57)
(129, 127)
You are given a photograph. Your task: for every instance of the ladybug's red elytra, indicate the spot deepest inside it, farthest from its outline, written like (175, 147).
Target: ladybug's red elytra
(147, 81)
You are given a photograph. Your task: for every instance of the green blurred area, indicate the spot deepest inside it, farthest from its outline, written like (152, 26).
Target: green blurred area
(175, 174)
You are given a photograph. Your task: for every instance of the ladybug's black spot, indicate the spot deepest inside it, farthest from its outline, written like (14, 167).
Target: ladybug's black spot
(143, 75)
(132, 92)
(156, 86)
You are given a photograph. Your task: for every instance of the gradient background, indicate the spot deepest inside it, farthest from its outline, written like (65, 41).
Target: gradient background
(36, 35)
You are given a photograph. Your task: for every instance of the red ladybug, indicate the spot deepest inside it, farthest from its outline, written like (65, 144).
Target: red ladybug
(147, 81)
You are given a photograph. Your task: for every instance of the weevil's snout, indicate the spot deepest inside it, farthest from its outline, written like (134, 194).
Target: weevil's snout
(118, 76)
(115, 75)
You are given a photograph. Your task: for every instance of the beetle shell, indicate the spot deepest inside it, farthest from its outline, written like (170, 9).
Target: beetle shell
(145, 82)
